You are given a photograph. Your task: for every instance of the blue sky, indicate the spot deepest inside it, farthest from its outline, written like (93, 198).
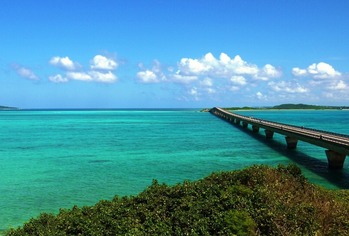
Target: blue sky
(169, 54)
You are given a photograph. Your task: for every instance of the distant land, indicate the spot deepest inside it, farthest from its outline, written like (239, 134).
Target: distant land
(288, 106)
(291, 106)
(8, 108)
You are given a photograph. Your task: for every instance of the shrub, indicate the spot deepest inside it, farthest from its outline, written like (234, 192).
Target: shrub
(259, 200)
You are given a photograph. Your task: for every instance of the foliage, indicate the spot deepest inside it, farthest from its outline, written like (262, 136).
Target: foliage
(290, 106)
(259, 200)
(305, 106)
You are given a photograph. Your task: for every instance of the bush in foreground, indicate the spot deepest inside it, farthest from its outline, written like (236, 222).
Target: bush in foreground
(259, 200)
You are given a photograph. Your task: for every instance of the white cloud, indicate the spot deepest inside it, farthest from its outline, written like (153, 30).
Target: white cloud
(185, 79)
(100, 62)
(321, 70)
(287, 87)
(147, 76)
(153, 75)
(97, 76)
(238, 79)
(194, 93)
(207, 82)
(107, 77)
(63, 62)
(299, 72)
(238, 66)
(270, 71)
(234, 88)
(79, 76)
(207, 75)
(26, 73)
(190, 66)
(58, 79)
(260, 96)
(209, 71)
(210, 90)
(225, 67)
(340, 85)
(101, 68)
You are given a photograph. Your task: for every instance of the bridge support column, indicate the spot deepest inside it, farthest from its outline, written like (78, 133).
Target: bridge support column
(291, 142)
(237, 121)
(268, 134)
(335, 159)
(255, 128)
(244, 124)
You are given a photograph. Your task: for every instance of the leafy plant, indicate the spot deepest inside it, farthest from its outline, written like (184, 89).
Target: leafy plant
(259, 200)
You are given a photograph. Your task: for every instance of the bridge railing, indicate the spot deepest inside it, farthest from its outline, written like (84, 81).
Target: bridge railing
(296, 126)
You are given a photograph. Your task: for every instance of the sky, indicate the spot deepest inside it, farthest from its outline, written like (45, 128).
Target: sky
(173, 53)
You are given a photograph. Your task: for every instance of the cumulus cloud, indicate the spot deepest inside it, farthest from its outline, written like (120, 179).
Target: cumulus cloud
(25, 73)
(234, 88)
(58, 79)
(194, 93)
(321, 70)
(209, 74)
(224, 67)
(287, 87)
(185, 79)
(63, 62)
(340, 85)
(153, 75)
(83, 76)
(207, 82)
(210, 90)
(100, 62)
(101, 68)
(238, 79)
(268, 72)
(147, 76)
(97, 76)
(260, 96)
(105, 77)
(189, 66)
(191, 70)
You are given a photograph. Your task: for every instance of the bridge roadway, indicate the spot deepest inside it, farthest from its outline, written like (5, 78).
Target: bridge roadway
(337, 145)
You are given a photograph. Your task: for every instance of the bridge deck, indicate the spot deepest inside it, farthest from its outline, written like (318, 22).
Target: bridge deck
(337, 143)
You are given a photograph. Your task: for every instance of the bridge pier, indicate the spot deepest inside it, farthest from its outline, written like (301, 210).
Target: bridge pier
(268, 134)
(244, 124)
(255, 128)
(335, 159)
(291, 142)
(237, 121)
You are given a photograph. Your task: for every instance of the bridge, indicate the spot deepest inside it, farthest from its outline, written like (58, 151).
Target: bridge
(336, 145)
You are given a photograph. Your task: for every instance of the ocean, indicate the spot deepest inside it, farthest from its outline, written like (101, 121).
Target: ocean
(52, 159)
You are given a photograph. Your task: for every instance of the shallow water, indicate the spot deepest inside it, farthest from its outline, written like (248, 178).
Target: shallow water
(57, 159)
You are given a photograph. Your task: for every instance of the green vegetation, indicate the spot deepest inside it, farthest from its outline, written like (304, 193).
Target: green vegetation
(290, 106)
(305, 106)
(259, 200)
(246, 108)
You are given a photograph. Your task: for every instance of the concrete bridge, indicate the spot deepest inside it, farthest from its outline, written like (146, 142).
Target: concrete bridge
(336, 145)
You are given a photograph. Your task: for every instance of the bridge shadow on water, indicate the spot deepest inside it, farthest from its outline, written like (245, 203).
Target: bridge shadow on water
(339, 178)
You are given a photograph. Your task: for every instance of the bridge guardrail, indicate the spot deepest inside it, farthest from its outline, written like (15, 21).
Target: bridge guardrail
(301, 127)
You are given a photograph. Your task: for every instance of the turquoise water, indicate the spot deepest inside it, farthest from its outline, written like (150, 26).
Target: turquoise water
(57, 159)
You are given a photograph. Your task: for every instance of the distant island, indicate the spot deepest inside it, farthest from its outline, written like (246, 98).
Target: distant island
(287, 106)
(290, 106)
(8, 108)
